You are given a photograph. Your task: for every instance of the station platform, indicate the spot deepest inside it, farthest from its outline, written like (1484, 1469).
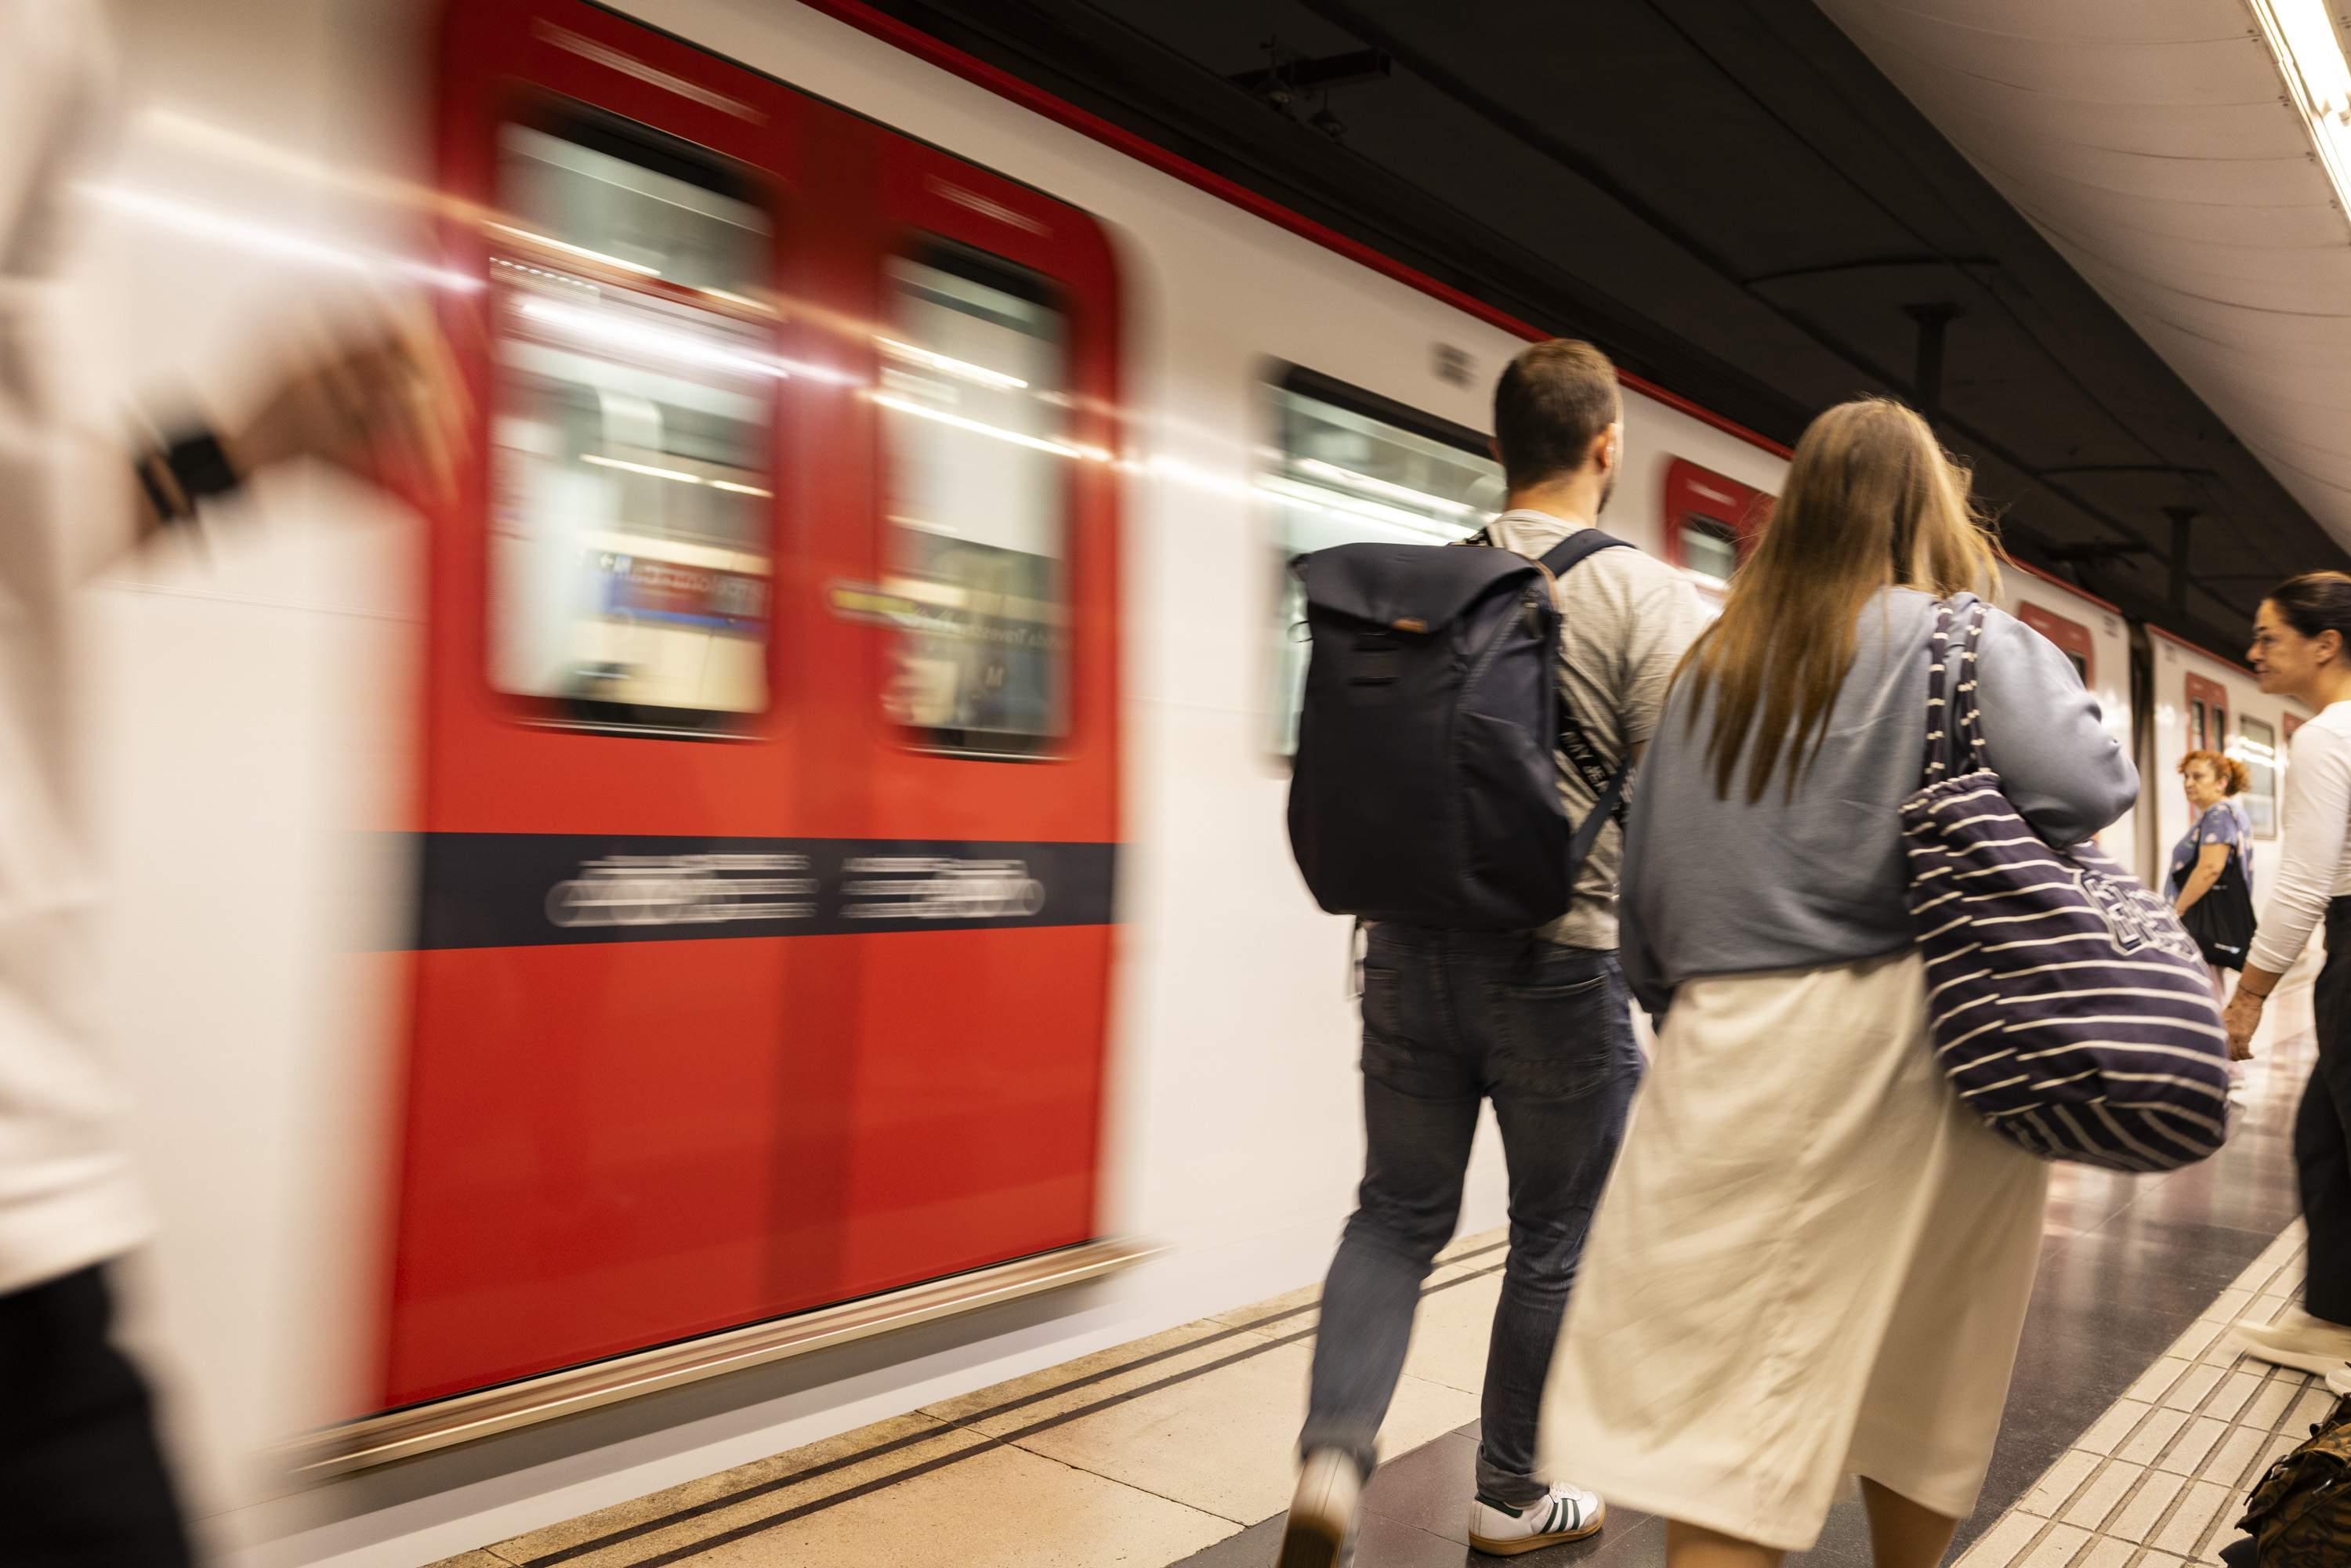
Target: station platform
(2133, 1429)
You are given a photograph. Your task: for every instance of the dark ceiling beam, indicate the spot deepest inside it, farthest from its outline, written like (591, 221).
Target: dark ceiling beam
(1343, 16)
(2173, 468)
(1317, 75)
(1864, 264)
(1109, 68)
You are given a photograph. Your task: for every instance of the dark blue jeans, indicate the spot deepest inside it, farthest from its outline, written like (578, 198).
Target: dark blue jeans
(1452, 1018)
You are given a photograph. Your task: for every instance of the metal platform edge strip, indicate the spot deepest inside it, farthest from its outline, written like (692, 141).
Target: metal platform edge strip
(375, 1440)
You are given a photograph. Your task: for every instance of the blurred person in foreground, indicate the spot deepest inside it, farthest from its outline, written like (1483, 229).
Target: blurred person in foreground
(2302, 649)
(82, 1479)
(1811, 1258)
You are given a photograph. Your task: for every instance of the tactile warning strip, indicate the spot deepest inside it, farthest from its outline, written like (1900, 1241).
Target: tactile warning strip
(2159, 1481)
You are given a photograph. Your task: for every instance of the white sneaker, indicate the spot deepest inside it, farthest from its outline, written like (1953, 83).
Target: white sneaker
(1566, 1514)
(1323, 1512)
(2300, 1341)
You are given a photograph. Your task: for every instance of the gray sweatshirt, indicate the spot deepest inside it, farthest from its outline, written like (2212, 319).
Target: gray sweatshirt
(1725, 887)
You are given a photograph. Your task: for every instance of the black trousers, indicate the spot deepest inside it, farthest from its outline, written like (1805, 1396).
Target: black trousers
(82, 1479)
(2322, 1131)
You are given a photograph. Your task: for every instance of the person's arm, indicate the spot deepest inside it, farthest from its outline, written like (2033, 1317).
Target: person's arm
(1665, 619)
(376, 396)
(2063, 771)
(2318, 804)
(2210, 862)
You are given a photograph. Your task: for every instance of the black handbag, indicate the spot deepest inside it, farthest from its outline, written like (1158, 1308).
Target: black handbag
(2222, 920)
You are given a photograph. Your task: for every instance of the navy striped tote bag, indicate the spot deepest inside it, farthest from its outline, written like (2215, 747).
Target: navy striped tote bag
(2069, 1008)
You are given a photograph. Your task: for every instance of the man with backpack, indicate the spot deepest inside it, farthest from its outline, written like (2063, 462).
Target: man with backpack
(1468, 725)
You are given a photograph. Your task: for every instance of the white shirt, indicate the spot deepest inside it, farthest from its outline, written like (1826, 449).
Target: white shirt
(2312, 867)
(67, 1198)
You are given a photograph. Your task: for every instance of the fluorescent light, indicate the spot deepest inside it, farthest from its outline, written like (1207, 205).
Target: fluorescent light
(981, 427)
(1339, 504)
(1354, 505)
(645, 468)
(528, 237)
(622, 332)
(1382, 488)
(679, 475)
(262, 239)
(2301, 33)
(941, 363)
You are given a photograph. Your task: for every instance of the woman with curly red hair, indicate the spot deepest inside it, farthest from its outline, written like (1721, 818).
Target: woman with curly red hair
(2199, 862)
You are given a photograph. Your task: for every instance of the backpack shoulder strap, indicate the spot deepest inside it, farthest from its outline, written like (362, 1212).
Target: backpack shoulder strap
(1584, 543)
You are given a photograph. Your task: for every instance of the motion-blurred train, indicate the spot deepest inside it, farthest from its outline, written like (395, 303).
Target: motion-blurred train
(796, 848)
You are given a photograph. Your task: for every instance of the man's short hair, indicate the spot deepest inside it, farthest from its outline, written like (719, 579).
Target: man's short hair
(1552, 403)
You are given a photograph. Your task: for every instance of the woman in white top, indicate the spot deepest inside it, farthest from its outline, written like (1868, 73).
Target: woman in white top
(2302, 648)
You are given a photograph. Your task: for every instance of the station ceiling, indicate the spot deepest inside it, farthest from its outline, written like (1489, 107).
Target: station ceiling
(1730, 198)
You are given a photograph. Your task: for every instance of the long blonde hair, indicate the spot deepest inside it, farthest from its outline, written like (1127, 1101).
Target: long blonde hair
(1871, 501)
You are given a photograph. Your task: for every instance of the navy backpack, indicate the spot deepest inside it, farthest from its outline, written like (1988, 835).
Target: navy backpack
(1425, 789)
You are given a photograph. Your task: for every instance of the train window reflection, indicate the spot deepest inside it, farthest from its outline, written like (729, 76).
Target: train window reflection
(1709, 549)
(633, 485)
(624, 196)
(976, 427)
(1349, 467)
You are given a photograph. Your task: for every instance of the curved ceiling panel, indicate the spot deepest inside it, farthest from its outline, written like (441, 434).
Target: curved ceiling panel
(2155, 146)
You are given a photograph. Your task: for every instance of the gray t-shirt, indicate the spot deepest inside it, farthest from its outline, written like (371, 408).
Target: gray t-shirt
(1627, 618)
(1727, 887)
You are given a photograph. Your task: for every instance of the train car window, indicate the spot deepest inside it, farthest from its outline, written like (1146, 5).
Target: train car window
(633, 484)
(1711, 523)
(1347, 467)
(2257, 749)
(973, 386)
(2208, 713)
(2070, 638)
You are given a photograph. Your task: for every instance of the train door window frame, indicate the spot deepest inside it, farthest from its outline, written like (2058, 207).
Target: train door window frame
(2260, 756)
(661, 631)
(2070, 638)
(915, 386)
(1348, 504)
(1724, 511)
(2206, 706)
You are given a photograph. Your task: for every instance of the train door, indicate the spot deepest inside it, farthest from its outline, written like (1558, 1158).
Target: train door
(768, 807)
(987, 713)
(613, 745)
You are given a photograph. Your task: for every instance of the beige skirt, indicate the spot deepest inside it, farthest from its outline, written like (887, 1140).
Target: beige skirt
(1811, 1261)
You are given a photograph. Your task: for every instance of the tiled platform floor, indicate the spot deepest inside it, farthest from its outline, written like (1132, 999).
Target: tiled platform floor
(2160, 1478)
(2131, 1431)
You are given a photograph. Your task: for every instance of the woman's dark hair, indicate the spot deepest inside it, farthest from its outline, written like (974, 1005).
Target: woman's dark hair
(2316, 601)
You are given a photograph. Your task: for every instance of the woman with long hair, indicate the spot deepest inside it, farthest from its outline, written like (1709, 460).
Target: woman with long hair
(1811, 1258)
(2302, 649)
